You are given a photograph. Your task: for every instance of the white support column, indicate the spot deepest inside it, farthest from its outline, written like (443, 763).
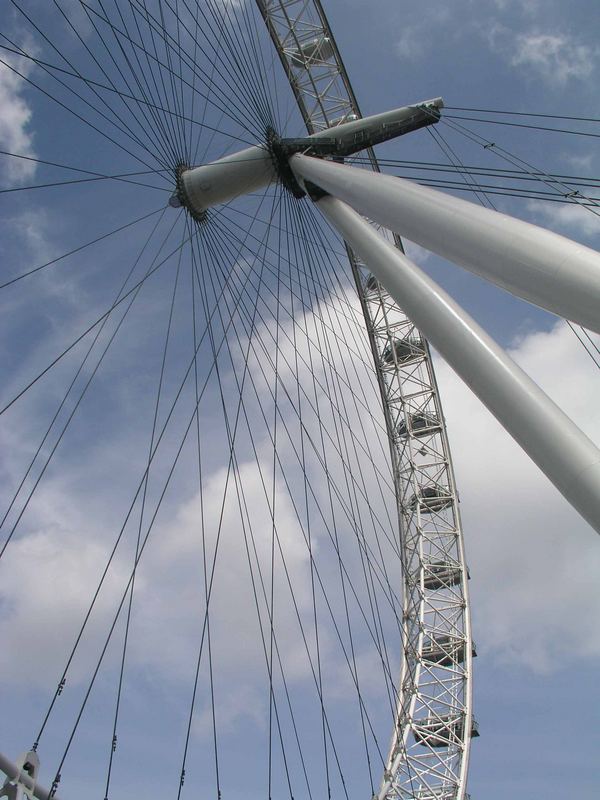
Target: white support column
(544, 268)
(569, 459)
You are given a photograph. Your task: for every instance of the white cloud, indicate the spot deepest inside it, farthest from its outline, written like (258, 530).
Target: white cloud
(15, 122)
(580, 162)
(410, 44)
(527, 6)
(175, 559)
(169, 593)
(556, 58)
(416, 253)
(50, 572)
(415, 40)
(531, 559)
(238, 706)
(570, 219)
(534, 562)
(45, 590)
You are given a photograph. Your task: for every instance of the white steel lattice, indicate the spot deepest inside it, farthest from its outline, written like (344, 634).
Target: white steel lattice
(429, 751)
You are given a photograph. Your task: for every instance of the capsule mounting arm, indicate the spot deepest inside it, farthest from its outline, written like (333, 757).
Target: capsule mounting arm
(252, 169)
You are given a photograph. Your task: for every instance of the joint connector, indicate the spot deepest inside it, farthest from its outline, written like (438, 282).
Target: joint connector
(23, 780)
(180, 197)
(315, 192)
(280, 153)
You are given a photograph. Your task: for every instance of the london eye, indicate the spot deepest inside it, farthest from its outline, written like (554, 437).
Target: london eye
(230, 502)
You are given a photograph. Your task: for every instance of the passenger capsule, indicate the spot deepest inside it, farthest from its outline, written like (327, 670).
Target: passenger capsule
(419, 424)
(345, 118)
(405, 350)
(431, 499)
(441, 574)
(445, 650)
(319, 49)
(445, 792)
(442, 731)
(372, 284)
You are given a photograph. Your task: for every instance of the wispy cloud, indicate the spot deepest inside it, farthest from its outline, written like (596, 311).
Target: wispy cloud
(556, 58)
(534, 563)
(416, 253)
(415, 40)
(583, 161)
(409, 43)
(526, 6)
(570, 219)
(174, 558)
(16, 135)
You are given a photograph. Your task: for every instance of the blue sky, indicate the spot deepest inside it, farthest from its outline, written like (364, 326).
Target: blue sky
(534, 563)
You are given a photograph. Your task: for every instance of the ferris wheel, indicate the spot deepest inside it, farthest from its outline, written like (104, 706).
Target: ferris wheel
(350, 515)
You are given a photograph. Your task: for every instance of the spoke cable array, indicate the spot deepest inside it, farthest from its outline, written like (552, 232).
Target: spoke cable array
(259, 370)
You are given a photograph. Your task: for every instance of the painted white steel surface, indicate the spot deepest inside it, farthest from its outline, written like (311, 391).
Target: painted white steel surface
(15, 774)
(229, 177)
(252, 169)
(377, 120)
(569, 459)
(543, 267)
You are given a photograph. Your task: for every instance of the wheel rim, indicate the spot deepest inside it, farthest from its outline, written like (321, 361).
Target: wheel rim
(325, 97)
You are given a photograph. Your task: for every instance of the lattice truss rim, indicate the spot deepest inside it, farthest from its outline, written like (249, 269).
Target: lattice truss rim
(429, 750)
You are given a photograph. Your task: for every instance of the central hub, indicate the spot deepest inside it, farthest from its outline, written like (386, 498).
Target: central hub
(200, 188)
(253, 169)
(180, 198)
(280, 153)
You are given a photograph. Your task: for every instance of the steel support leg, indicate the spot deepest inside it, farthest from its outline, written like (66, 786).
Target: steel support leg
(569, 459)
(544, 268)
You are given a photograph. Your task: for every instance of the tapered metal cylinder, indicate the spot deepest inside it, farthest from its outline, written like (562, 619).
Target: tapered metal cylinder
(538, 265)
(561, 450)
(230, 177)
